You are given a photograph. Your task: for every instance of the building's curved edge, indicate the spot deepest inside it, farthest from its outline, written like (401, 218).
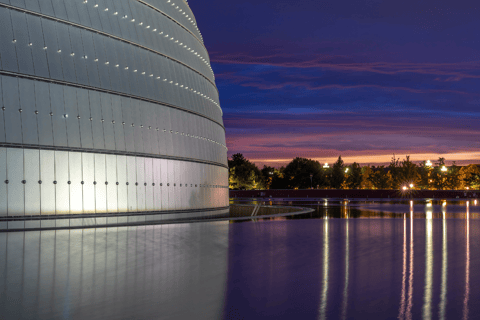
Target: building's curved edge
(107, 220)
(150, 218)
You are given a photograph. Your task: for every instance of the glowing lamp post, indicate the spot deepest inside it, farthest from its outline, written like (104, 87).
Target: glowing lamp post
(428, 163)
(326, 166)
(444, 169)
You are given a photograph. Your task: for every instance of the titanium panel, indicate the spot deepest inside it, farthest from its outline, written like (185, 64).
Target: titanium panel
(83, 106)
(126, 19)
(8, 48)
(151, 122)
(172, 192)
(20, 33)
(144, 129)
(124, 75)
(79, 54)
(72, 11)
(76, 190)
(11, 102)
(59, 8)
(47, 176)
(103, 63)
(2, 116)
(140, 68)
(104, 19)
(88, 171)
(115, 15)
(3, 185)
(146, 57)
(96, 116)
(117, 122)
(72, 121)
(114, 61)
(62, 188)
(127, 122)
(36, 39)
(27, 104)
(16, 191)
(58, 116)
(131, 180)
(138, 19)
(89, 57)
(82, 10)
(143, 23)
(93, 14)
(107, 118)
(46, 7)
(100, 187)
(111, 163)
(51, 48)
(180, 190)
(157, 189)
(44, 120)
(163, 184)
(137, 116)
(122, 184)
(188, 194)
(130, 71)
(174, 130)
(158, 125)
(149, 179)
(68, 66)
(140, 180)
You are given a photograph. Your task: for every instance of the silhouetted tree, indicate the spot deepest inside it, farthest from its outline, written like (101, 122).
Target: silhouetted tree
(354, 176)
(243, 174)
(338, 174)
(381, 178)
(297, 173)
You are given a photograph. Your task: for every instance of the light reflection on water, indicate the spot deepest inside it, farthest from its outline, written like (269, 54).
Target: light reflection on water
(408, 267)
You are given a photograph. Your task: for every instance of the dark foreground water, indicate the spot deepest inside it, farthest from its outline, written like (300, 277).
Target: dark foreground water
(422, 264)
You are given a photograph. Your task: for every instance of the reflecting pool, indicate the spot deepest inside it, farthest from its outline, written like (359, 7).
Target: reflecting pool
(354, 261)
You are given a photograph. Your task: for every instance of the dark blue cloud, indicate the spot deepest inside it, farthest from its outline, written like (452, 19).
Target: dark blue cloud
(349, 76)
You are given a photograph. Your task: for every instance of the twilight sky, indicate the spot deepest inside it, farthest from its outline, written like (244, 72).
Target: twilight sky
(358, 78)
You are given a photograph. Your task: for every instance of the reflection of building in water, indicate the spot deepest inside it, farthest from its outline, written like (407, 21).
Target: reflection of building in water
(130, 273)
(106, 108)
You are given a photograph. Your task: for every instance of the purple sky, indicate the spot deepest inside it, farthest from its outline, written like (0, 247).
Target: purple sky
(358, 78)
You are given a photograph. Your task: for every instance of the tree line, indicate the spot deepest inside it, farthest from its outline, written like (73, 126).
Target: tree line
(302, 173)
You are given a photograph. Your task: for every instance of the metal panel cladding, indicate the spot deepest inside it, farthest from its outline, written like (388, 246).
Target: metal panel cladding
(107, 107)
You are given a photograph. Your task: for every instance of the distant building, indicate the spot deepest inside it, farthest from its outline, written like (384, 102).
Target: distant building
(107, 107)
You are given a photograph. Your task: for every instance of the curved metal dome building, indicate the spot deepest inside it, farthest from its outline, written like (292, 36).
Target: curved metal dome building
(109, 115)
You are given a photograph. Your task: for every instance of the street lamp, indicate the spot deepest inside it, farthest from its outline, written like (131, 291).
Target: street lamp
(326, 166)
(428, 163)
(346, 170)
(404, 188)
(444, 169)
(411, 185)
(311, 185)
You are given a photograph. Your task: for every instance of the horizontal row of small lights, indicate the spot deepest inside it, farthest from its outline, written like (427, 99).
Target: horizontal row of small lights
(136, 184)
(133, 125)
(161, 33)
(186, 16)
(72, 54)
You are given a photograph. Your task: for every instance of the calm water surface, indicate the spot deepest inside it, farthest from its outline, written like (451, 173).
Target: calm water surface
(360, 261)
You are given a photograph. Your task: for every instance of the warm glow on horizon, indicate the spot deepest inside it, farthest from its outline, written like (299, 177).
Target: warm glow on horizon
(461, 158)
